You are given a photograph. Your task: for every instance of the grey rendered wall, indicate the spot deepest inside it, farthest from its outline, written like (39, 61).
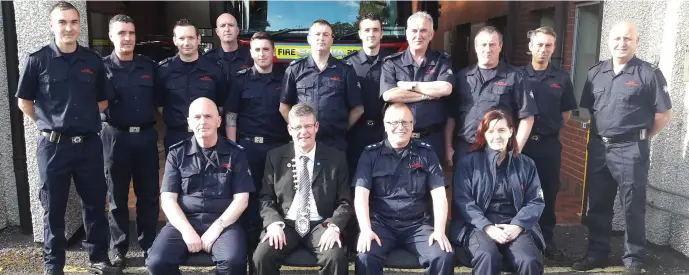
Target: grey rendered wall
(664, 32)
(9, 212)
(33, 32)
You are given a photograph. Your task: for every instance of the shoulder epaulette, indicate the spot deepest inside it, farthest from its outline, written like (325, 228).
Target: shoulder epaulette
(243, 71)
(393, 55)
(374, 146)
(297, 61)
(236, 145)
(422, 144)
(178, 144)
(353, 53)
(166, 60)
(597, 64)
(444, 54)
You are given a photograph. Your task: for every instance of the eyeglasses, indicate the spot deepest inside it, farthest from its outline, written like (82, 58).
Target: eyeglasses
(308, 127)
(404, 123)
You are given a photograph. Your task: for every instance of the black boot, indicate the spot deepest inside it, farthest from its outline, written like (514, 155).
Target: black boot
(104, 268)
(589, 263)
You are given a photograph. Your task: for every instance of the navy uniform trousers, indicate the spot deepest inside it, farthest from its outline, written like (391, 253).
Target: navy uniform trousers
(251, 218)
(412, 236)
(546, 152)
(58, 164)
(131, 157)
(624, 165)
(169, 250)
(487, 257)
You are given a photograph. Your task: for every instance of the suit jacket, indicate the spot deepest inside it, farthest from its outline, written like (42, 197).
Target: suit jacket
(330, 185)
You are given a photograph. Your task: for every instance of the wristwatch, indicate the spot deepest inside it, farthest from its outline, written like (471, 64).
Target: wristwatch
(413, 86)
(333, 226)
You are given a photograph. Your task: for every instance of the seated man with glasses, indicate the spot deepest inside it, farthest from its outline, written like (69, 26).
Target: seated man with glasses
(391, 183)
(305, 199)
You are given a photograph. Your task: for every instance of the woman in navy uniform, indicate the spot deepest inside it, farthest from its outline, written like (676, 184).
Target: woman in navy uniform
(498, 195)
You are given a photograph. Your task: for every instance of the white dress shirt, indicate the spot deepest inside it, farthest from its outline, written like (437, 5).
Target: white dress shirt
(292, 213)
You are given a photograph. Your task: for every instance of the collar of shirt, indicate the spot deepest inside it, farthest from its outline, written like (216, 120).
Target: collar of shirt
(57, 53)
(255, 74)
(332, 62)
(388, 150)
(192, 147)
(408, 59)
(298, 153)
(115, 60)
(501, 72)
(177, 64)
(362, 58)
(549, 71)
(628, 68)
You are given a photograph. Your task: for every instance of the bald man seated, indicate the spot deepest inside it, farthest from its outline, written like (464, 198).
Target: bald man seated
(205, 189)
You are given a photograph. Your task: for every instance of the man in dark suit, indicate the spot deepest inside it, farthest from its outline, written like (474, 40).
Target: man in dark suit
(305, 199)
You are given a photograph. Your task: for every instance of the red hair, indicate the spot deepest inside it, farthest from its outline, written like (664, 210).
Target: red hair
(491, 115)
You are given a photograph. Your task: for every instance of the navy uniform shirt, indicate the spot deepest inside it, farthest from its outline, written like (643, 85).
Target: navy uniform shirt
(331, 92)
(65, 88)
(473, 97)
(206, 184)
(369, 72)
(436, 66)
(231, 62)
(255, 98)
(134, 103)
(399, 184)
(177, 87)
(627, 102)
(554, 94)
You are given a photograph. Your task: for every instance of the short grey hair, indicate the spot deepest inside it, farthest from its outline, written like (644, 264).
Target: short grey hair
(420, 14)
(302, 110)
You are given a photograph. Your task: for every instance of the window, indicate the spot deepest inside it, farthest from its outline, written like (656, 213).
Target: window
(587, 31)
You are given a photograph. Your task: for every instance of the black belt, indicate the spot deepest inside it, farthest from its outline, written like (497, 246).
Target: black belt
(624, 138)
(132, 129)
(430, 130)
(180, 129)
(56, 137)
(537, 137)
(261, 140)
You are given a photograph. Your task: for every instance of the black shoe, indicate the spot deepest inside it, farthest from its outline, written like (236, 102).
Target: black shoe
(104, 268)
(589, 263)
(53, 272)
(553, 253)
(120, 260)
(632, 270)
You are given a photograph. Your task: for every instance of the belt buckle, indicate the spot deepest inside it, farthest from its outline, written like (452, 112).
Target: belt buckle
(535, 137)
(134, 129)
(415, 135)
(370, 122)
(258, 139)
(605, 139)
(77, 139)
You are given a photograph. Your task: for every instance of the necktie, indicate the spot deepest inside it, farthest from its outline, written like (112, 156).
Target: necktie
(304, 213)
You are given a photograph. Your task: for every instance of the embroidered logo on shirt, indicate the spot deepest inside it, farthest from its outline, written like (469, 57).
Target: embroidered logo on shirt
(226, 165)
(145, 76)
(87, 70)
(244, 67)
(555, 85)
(430, 71)
(415, 165)
(631, 83)
(205, 78)
(335, 78)
(500, 83)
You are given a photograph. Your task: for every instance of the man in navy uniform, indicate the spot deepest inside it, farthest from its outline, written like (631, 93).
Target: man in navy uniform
(205, 189)
(183, 78)
(130, 142)
(629, 103)
(420, 78)
(392, 184)
(330, 86)
(253, 120)
(367, 63)
(231, 57)
(554, 97)
(489, 84)
(62, 88)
